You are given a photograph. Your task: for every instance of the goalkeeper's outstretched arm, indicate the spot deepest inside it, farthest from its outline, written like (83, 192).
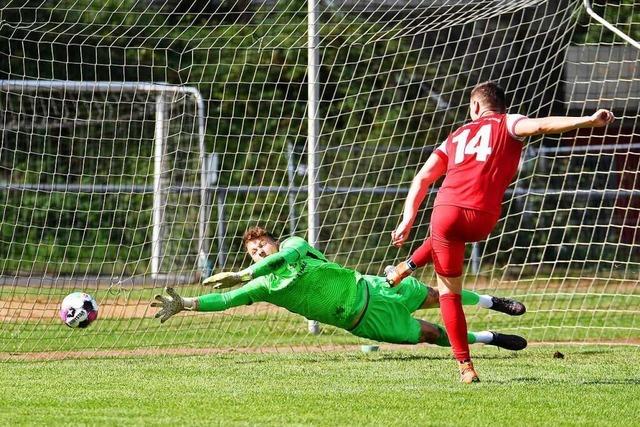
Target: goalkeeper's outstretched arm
(174, 303)
(295, 249)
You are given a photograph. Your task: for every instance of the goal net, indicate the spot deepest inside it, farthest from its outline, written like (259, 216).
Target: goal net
(140, 139)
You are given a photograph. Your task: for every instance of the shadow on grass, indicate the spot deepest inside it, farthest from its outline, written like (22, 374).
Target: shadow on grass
(527, 380)
(395, 357)
(547, 381)
(382, 357)
(626, 381)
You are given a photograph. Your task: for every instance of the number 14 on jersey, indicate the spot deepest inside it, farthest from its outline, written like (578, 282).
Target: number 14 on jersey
(478, 145)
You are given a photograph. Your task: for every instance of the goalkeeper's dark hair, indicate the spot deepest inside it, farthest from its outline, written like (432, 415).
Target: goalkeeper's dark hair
(256, 233)
(490, 94)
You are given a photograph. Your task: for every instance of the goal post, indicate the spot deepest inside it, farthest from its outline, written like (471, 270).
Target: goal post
(628, 39)
(159, 95)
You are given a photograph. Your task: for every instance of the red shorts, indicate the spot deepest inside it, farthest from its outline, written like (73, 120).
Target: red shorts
(452, 228)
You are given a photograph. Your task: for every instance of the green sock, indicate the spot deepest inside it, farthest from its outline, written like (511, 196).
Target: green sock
(469, 298)
(443, 340)
(471, 337)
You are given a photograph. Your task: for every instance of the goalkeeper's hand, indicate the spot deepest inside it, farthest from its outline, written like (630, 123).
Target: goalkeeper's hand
(228, 279)
(170, 305)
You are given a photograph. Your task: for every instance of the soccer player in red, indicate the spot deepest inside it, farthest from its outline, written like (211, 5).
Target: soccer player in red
(479, 161)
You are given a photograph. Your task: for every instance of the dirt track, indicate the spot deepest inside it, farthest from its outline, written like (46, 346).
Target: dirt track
(24, 308)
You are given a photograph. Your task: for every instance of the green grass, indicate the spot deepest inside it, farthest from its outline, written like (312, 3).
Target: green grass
(590, 386)
(187, 332)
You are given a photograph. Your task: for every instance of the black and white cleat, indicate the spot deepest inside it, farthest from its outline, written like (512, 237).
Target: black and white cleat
(508, 342)
(508, 306)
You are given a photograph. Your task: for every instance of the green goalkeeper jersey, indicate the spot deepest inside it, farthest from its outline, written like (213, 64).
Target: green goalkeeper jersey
(300, 279)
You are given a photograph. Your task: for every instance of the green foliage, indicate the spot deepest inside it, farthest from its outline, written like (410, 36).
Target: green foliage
(252, 74)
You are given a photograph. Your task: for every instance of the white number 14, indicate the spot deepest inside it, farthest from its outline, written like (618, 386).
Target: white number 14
(479, 144)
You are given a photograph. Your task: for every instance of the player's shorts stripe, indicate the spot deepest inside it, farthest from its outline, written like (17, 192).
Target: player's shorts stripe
(364, 310)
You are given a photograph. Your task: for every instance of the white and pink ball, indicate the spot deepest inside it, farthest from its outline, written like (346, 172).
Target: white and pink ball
(78, 310)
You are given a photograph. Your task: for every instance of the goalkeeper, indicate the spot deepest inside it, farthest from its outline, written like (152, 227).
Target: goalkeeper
(295, 276)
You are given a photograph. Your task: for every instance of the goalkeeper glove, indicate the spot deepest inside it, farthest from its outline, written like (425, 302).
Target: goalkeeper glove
(172, 304)
(228, 279)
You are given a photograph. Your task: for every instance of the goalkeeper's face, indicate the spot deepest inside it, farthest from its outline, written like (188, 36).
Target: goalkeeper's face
(261, 247)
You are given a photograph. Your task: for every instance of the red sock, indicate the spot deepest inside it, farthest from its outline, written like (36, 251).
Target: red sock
(456, 325)
(424, 254)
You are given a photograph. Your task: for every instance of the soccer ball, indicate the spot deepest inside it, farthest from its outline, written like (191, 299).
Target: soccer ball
(78, 310)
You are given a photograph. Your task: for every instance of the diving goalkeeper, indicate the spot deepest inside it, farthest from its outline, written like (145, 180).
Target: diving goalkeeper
(299, 278)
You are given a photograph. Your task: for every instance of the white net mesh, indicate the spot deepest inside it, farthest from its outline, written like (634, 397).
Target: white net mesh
(82, 183)
(89, 203)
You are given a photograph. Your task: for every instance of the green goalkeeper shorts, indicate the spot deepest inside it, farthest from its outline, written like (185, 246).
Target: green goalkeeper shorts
(388, 316)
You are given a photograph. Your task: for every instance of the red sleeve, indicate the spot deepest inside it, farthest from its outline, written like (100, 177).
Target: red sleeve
(512, 120)
(440, 154)
(441, 151)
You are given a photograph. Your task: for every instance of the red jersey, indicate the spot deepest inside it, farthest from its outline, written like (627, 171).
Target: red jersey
(482, 159)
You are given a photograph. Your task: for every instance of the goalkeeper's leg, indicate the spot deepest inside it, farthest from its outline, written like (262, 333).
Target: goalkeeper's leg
(508, 306)
(416, 295)
(436, 334)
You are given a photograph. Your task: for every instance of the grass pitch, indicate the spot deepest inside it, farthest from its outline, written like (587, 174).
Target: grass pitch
(590, 386)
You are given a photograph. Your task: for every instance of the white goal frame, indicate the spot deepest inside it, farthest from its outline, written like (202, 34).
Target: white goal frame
(160, 136)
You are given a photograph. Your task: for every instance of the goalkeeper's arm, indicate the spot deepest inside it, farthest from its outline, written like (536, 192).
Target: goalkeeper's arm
(292, 250)
(174, 303)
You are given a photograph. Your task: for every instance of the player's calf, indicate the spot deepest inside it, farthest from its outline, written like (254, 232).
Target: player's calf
(436, 334)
